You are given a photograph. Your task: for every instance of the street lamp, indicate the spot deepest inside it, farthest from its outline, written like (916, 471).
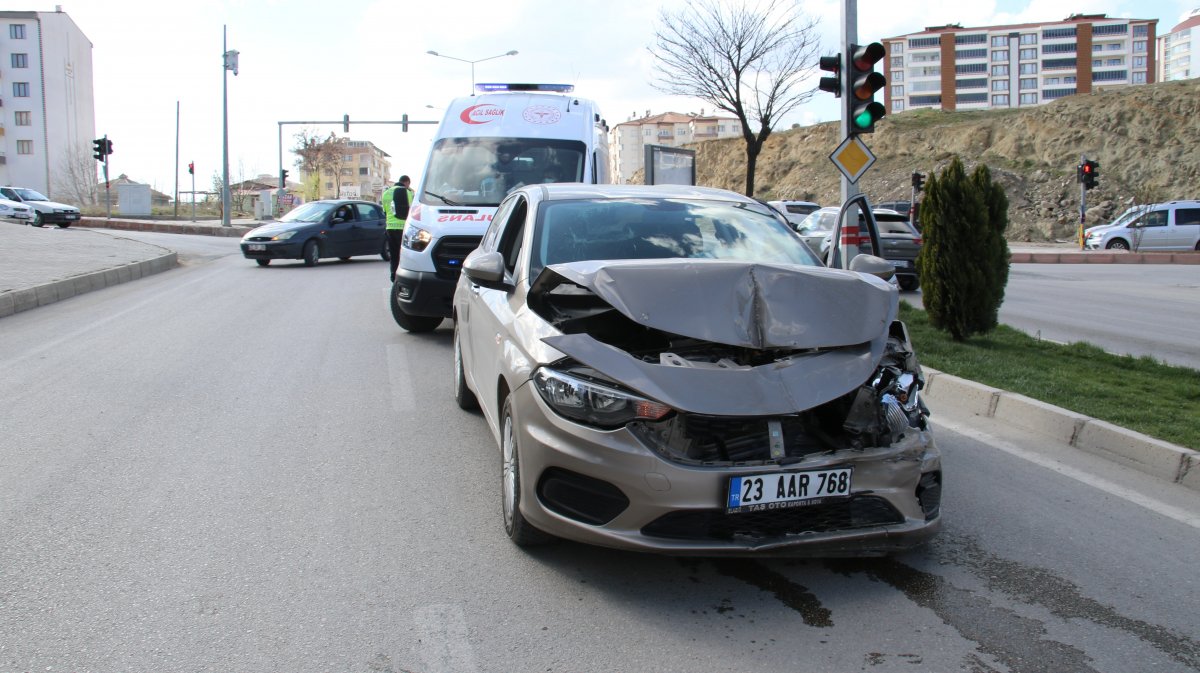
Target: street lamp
(230, 58)
(481, 60)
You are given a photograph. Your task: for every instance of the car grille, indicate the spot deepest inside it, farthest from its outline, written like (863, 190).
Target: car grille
(450, 252)
(861, 511)
(258, 238)
(714, 440)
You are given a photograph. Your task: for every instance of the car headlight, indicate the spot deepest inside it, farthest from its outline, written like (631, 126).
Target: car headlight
(416, 238)
(284, 236)
(594, 403)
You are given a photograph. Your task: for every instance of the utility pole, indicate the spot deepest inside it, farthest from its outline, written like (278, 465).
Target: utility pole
(177, 160)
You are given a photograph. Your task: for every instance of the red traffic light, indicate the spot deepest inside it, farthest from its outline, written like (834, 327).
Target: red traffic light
(192, 167)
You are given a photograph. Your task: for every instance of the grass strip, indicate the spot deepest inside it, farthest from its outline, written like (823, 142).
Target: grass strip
(1138, 393)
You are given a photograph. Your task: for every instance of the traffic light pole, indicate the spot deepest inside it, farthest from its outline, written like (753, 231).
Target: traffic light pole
(1082, 201)
(847, 249)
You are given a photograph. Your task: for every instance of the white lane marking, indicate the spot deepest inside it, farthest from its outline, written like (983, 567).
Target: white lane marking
(1157, 506)
(400, 376)
(444, 644)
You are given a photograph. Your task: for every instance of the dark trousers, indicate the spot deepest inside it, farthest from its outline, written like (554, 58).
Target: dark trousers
(393, 241)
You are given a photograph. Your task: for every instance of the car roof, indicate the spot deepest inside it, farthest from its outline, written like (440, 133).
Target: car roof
(562, 191)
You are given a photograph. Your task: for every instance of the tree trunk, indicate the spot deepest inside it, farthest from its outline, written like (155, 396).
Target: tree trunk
(753, 148)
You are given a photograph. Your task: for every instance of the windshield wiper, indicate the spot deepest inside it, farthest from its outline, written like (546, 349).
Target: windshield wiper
(448, 202)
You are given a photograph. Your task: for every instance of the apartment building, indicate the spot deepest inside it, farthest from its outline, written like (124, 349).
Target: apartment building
(955, 68)
(627, 140)
(1177, 58)
(359, 170)
(47, 112)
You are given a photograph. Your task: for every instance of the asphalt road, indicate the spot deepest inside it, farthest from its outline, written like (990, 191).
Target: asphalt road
(225, 467)
(1139, 309)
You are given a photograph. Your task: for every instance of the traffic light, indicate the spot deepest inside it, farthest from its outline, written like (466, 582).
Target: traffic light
(918, 181)
(345, 123)
(191, 168)
(99, 145)
(861, 106)
(283, 178)
(107, 146)
(1088, 172)
(832, 84)
(404, 122)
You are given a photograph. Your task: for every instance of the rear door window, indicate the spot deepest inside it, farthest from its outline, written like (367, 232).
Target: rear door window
(1186, 216)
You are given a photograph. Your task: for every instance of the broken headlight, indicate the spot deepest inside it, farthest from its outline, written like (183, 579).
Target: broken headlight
(593, 403)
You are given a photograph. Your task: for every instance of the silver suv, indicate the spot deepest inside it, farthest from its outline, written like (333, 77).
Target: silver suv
(1160, 226)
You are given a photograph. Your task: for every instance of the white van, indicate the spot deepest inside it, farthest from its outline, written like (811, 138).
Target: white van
(507, 136)
(1161, 226)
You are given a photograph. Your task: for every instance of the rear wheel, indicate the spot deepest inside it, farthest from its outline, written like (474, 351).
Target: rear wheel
(463, 397)
(520, 531)
(385, 252)
(412, 323)
(1117, 244)
(312, 253)
(263, 262)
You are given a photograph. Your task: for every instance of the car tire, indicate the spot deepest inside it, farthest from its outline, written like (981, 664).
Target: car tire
(1117, 244)
(63, 225)
(263, 262)
(908, 283)
(1197, 246)
(520, 531)
(386, 252)
(37, 219)
(312, 253)
(463, 397)
(416, 324)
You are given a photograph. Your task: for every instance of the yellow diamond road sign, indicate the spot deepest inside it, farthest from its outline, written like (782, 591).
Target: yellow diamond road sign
(852, 158)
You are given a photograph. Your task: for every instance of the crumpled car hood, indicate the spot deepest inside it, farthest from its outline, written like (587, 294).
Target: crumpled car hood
(736, 303)
(758, 306)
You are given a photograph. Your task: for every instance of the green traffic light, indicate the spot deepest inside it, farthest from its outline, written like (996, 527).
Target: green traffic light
(863, 119)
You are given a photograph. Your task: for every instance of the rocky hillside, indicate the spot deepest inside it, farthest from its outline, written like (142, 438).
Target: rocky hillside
(1146, 138)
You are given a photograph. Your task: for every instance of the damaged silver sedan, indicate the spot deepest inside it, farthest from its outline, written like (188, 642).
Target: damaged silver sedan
(671, 369)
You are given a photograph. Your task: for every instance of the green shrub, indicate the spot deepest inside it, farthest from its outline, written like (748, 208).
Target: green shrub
(963, 265)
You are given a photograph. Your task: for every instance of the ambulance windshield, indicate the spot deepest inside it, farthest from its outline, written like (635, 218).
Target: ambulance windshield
(480, 171)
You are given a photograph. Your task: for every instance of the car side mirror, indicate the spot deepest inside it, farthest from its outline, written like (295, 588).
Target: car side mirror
(875, 266)
(486, 269)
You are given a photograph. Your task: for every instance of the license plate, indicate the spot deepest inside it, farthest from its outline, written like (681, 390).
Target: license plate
(781, 490)
(256, 247)
(900, 264)
(72, 216)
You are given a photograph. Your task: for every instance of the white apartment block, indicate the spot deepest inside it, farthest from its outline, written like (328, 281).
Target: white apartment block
(956, 68)
(1177, 57)
(627, 140)
(47, 113)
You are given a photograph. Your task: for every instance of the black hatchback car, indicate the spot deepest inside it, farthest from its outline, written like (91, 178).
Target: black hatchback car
(320, 229)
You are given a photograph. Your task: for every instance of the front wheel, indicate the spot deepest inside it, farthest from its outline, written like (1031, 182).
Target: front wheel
(520, 531)
(37, 219)
(1117, 244)
(412, 323)
(463, 397)
(386, 252)
(63, 225)
(312, 253)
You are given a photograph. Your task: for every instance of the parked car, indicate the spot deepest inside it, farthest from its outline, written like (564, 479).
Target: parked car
(320, 229)
(669, 369)
(794, 211)
(817, 226)
(44, 210)
(899, 242)
(15, 210)
(1161, 226)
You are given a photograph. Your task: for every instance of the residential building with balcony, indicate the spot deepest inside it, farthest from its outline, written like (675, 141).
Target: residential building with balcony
(1178, 53)
(359, 170)
(627, 140)
(1022, 65)
(47, 112)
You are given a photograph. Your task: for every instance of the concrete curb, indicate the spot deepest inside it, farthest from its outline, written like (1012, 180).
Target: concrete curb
(1104, 257)
(171, 227)
(40, 295)
(1145, 454)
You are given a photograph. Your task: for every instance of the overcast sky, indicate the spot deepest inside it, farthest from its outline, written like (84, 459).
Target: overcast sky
(307, 60)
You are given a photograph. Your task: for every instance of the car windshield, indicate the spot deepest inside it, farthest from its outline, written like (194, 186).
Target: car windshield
(575, 230)
(821, 220)
(309, 212)
(480, 171)
(29, 194)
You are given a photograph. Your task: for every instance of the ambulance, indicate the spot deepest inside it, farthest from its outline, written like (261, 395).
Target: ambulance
(504, 137)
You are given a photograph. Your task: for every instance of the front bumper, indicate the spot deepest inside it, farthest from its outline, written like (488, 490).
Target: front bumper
(678, 509)
(59, 218)
(273, 250)
(424, 293)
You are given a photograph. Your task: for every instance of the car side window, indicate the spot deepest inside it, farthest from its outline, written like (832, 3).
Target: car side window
(1186, 216)
(498, 220)
(1157, 218)
(513, 233)
(9, 194)
(368, 211)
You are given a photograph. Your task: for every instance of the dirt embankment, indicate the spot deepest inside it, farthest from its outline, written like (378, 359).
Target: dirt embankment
(1146, 138)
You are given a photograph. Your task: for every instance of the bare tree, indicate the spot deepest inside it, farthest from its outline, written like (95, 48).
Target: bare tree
(75, 180)
(317, 155)
(746, 57)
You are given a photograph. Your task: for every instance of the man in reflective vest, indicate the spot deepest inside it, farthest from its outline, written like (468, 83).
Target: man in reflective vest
(396, 201)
